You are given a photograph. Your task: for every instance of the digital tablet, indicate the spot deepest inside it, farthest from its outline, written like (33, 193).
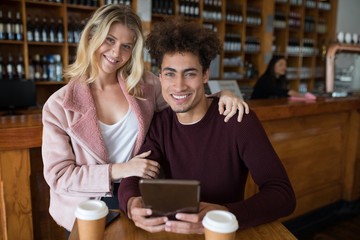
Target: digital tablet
(166, 197)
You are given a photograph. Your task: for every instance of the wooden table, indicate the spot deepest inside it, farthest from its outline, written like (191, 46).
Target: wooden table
(123, 228)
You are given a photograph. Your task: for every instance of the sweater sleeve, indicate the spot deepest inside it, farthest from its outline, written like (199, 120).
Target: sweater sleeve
(129, 187)
(275, 197)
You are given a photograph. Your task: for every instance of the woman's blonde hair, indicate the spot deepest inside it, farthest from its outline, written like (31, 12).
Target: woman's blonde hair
(94, 34)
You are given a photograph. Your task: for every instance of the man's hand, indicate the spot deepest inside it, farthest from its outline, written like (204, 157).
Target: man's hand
(191, 223)
(140, 216)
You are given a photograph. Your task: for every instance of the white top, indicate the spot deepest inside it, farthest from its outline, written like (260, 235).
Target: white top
(120, 137)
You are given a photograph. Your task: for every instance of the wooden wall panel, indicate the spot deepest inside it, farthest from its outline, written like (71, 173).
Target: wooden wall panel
(15, 173)
(312, 151)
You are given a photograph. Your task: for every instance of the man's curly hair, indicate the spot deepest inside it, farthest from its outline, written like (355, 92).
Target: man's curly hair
(175, 35)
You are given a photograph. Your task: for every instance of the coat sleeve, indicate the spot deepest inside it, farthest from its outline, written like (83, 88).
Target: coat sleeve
(68, 170)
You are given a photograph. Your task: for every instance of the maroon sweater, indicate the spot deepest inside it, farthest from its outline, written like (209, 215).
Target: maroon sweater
(220, 155)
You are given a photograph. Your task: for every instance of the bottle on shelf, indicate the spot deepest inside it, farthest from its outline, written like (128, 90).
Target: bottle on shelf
(58, 68)
(10, 73)
(233, 14)
(20, 69)
(155, 6)
(77, 31)
(10, 31)
(37, 30)
(18, 28)
(280, 20)
(252, 44)
(44, 30)
(2, 26)
(212, 10)
(232, 42)
(71, 30)
(52, 31)
(162, 7)
(294, 20)
(253, 16)
(45, 69)
(37, 67)
(31, 70)
(29, 30)
(60, 31)
(51, 68)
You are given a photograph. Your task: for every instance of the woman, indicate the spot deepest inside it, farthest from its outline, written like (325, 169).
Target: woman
(95, 124)
(273, 83)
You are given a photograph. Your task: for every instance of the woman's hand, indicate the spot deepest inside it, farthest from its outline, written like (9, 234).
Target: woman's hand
(310, 96)
(229, 104)
(192, 223)
(138, 166)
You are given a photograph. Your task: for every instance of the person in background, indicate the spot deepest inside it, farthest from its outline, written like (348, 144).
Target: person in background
(191, 142)
(93, 126)
(273, 83)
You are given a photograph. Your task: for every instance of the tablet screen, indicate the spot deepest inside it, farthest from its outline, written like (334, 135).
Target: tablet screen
(166, 197)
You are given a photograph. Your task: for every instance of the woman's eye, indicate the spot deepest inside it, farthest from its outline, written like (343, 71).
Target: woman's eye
(127, 47)
(110, 40)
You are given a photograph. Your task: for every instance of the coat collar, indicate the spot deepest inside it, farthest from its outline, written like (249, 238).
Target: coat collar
(141, 108)
(78, 98)
(84, 125)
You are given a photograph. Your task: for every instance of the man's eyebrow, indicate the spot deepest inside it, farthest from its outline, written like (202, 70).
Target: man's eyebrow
(190, 69)
(169, 69)
(185, 70)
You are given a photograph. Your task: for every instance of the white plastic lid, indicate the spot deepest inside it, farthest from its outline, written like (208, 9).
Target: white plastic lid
(220, 221)
(91, 210)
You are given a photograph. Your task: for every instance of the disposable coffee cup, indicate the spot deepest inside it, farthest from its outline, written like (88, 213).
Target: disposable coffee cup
(91, 216)
(220, 225)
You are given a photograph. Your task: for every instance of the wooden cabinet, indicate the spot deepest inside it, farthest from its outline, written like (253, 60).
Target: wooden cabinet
(38, 48)
(243, 27)
(68, 15)
(252, 31)
(303, 30)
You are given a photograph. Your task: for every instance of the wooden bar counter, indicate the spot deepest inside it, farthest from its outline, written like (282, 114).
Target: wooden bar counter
(318, 142)
(18, 134)
(123, 228)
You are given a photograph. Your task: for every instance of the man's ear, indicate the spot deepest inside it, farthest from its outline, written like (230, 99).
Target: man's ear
(206, 76)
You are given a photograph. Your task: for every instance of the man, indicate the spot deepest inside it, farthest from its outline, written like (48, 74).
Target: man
(191, 142)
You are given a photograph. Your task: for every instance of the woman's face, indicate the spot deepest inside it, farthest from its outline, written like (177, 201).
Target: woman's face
(280, 68)
(116, 50)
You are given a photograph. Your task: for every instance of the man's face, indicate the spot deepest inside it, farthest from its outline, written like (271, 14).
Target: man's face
(182, 82)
